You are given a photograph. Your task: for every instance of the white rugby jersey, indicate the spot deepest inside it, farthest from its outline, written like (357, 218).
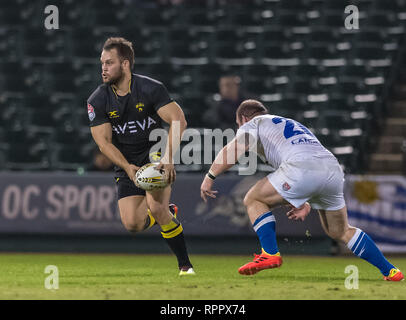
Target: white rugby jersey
(277, 139)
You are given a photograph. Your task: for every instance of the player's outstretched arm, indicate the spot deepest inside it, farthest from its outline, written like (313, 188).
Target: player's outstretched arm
(102, 135)
(225, 159)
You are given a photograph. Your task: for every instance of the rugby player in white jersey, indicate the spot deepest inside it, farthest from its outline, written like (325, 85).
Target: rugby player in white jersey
(306, 176)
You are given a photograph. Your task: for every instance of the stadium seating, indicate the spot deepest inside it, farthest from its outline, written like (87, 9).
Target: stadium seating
(295, 56)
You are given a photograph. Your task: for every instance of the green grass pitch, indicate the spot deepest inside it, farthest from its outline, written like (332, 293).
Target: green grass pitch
(155, 277)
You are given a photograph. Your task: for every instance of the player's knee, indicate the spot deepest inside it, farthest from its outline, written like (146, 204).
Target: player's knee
(133, 223)
(134, 227)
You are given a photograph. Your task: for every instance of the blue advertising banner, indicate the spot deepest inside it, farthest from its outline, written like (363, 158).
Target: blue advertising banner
(87, 204)
(67, 203)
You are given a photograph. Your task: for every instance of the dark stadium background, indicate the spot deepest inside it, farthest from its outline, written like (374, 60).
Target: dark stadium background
(295, 56)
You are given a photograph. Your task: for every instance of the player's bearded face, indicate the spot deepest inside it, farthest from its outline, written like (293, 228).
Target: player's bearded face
(112, 67)
(115, 76)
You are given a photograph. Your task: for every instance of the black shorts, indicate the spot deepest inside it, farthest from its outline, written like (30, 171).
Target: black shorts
(126, 188)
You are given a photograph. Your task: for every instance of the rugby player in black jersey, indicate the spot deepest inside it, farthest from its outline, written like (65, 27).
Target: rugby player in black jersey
(122, 113)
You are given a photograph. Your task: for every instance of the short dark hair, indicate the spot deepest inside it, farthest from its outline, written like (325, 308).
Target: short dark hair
(124, 48)
(251, 108)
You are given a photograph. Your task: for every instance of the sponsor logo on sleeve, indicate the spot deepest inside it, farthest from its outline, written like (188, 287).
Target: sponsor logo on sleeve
(90, 112)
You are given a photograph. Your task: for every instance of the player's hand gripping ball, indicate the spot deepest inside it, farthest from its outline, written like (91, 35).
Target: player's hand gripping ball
(149, 178)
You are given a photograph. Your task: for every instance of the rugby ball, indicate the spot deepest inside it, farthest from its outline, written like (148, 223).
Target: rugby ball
(149, 178)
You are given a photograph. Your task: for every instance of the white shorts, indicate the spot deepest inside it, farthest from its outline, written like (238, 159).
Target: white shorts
(318, 181)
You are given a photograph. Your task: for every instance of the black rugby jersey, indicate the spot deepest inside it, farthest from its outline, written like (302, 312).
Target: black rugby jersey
(132, 117)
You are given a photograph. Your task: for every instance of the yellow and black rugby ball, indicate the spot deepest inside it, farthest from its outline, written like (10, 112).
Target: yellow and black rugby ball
(149, 178)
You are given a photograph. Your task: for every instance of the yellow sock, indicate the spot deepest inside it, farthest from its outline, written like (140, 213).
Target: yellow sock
(172, 229)
(152, 220)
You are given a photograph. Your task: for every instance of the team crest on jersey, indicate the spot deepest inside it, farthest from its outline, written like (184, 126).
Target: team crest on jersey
(90, 112)
(285, 186)
(140, 106)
